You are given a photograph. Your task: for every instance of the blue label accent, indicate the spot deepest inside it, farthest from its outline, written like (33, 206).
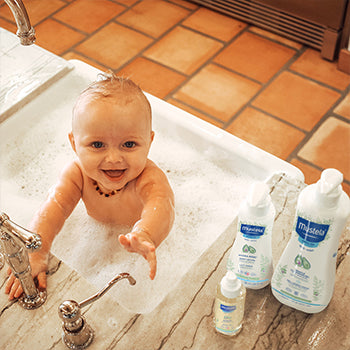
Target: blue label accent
(252, 281)
(310, 233)
(294, 299)
(227, 308)
(251, 231)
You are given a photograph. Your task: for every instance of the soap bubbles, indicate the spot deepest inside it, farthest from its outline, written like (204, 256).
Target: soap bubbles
(207, 196)
(206, 201)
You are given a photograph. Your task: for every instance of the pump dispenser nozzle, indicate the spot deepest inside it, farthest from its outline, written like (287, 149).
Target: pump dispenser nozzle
(259, 199)
(330, 181)
(329, 188)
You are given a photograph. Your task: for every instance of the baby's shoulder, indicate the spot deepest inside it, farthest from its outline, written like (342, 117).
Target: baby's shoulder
(152, 178)
(151, 170)
(72, 172)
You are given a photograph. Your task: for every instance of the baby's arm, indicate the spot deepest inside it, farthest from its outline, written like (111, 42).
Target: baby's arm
(47, 222)
(157, 216)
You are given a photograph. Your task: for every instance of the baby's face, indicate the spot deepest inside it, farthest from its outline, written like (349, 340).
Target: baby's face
(112, 140)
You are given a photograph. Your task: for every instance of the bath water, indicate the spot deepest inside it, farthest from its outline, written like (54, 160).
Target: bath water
(206, 200)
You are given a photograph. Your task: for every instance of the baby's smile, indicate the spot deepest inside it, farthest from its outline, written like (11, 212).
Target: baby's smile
(114, 174)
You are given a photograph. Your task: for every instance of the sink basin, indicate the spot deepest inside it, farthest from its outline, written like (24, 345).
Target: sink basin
(209, 169)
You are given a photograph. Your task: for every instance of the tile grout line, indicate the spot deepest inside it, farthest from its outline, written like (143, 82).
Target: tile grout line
(312, 132)
(304, 131)
(155, 41)
(276, 41)
(264, 86)
(73, 48)
(208, 61)
(198, 110)
(318, 82)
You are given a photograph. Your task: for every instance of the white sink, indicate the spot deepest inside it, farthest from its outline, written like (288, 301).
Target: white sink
(210, 171)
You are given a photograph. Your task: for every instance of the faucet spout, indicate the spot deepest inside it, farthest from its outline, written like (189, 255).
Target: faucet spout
(25, 31)
(108, 286)
(15, 241)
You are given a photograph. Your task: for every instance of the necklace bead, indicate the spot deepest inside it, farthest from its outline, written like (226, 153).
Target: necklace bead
(108, 194)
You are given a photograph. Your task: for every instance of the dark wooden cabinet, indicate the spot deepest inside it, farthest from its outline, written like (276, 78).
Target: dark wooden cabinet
(317, 23)
(329, 13)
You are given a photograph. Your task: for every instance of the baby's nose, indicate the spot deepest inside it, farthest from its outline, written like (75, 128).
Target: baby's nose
(114, 156)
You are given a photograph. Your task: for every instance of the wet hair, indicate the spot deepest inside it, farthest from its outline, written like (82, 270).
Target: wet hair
(110, 86)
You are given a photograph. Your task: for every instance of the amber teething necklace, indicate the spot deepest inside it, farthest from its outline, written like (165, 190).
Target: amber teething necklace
(108, 194)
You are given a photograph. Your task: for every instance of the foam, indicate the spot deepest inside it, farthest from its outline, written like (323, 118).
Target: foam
(206, 199)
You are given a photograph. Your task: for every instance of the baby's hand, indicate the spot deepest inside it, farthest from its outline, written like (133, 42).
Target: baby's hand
(141, 243)
(39, 266)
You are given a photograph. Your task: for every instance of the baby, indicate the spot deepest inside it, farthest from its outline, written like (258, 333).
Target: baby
(111, 136)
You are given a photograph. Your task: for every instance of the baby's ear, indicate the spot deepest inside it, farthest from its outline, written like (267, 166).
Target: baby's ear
(152, 135)
(71, 140)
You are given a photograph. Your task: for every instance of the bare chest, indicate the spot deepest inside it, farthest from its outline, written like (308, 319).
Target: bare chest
(123, 208)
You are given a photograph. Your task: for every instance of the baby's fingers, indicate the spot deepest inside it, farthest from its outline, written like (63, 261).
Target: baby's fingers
(132, 243)
(42, 281)
(9, 283)
(142, 246)
(17, 292)
(124, 240)
(13, 288)
(152, 261)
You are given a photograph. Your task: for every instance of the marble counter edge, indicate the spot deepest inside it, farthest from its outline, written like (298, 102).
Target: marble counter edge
(184, 318)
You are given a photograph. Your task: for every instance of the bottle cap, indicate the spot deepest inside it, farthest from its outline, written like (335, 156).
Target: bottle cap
(230, 285)
(259, 198)
(329, 186)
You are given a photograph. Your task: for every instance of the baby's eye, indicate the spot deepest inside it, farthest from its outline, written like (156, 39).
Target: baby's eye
(129, 144)
(97, 144)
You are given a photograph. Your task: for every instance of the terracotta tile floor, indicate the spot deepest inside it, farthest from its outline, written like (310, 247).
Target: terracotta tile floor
(268, 90)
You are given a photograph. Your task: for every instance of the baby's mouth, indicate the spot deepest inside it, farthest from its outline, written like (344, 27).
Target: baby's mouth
(114, 174)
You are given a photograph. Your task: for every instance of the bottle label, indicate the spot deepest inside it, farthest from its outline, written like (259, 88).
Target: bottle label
(252, 231)
(250, 257)
(294, 281)
(310, 233)
(300, 277)
(228, 317)
(227, 308)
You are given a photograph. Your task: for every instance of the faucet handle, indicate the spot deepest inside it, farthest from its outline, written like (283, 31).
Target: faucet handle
(70, 313)
(31, 240)
(14, 239)
(77, 334)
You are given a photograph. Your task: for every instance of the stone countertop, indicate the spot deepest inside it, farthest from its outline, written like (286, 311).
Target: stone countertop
(184, 319)
(29, 71)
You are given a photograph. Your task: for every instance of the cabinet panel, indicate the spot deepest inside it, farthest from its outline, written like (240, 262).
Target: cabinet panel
(326, 12)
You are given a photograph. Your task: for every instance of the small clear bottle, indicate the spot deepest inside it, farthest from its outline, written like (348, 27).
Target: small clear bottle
(229, 305)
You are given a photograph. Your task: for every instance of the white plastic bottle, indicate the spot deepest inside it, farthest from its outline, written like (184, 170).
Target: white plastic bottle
(229, 305)
(305, 274)
(251, 254)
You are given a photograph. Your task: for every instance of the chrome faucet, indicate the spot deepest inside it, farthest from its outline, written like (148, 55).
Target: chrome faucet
(25, 31)
(15, 241)
(77, 334)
